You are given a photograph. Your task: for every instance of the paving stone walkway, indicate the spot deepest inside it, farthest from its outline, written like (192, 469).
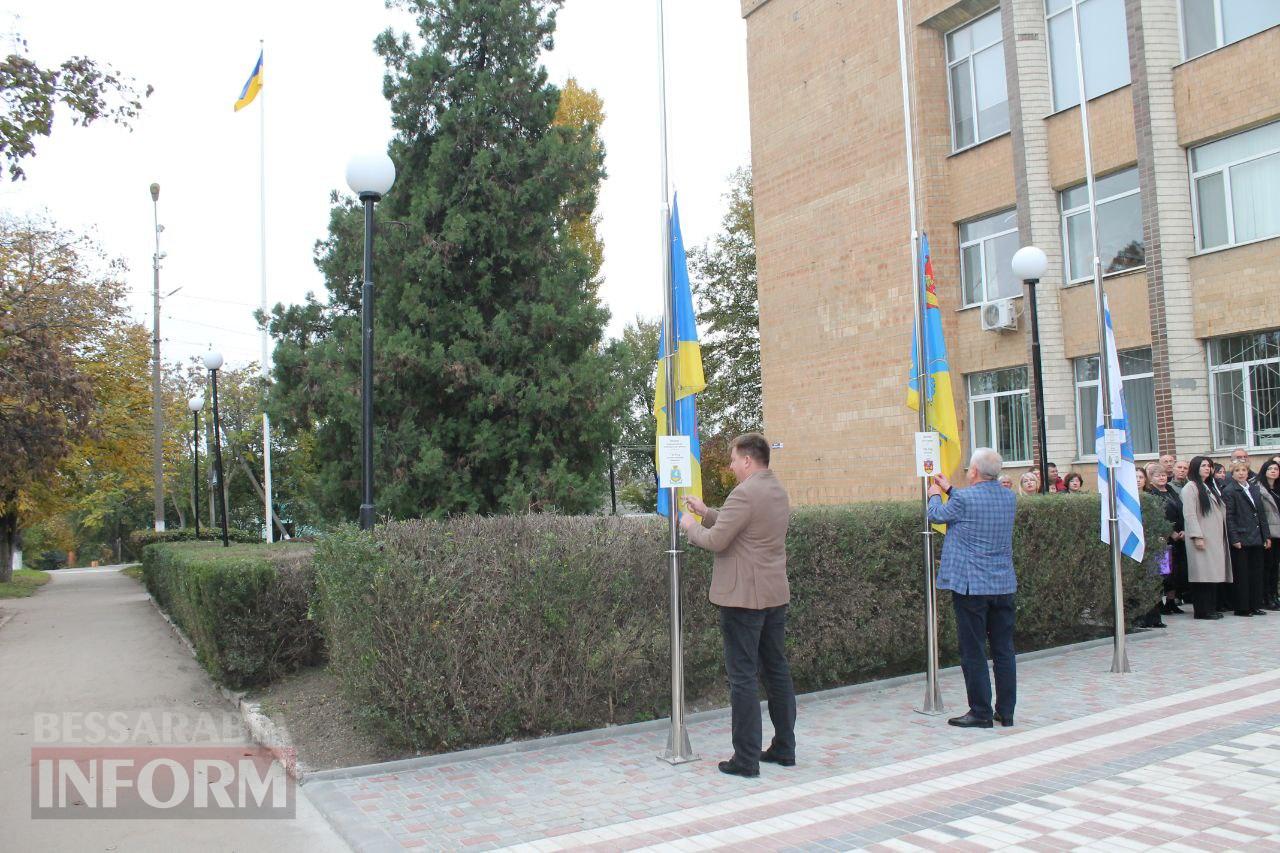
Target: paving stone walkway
(1181, 754)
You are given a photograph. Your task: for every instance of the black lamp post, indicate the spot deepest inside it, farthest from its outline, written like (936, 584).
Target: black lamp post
(213, 361)
(369, 176)
(1029, 264)
(195, 404)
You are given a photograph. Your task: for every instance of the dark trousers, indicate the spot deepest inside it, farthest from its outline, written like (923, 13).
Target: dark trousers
(983, 619)
(1204, 598)
(1271, 572)
(754, 647)
(1246, 574)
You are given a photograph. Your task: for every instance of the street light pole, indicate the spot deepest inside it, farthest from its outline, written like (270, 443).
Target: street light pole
(213, 361)
(195, 404)
(369, 176)
(157, 410)
(1029, 263)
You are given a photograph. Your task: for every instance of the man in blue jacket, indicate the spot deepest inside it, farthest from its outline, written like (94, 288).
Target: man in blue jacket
(977, 566)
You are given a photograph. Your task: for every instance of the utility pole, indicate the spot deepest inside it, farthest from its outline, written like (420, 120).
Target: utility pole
(157, 441)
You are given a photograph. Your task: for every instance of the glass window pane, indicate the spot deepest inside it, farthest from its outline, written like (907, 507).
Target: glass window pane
(992, 94)
(1264, 380)
(1051, 6)
(1199, 27)
(1140, 409)
(982, 424)
(1239, 147)
(987, 226)
(1135, 361)
(1228, 395)
(1080, 248)
(1012, 379)
(1243, 18)
(1114, 184)
(1087, 369)
(971, 273)
(960, 43)
(1120, 230)
(1062, 56)
(1255, 198)
(1001, 280)
(1014, 417)
(1211, 202)
(1075, 197)
(1104, 42)
(1086, 417)
(962, 105)
(986, 30)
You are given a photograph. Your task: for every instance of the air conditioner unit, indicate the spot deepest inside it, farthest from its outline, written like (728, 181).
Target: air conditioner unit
(999, 315)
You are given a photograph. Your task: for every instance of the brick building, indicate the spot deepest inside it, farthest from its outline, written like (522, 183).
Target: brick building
(1184, 107)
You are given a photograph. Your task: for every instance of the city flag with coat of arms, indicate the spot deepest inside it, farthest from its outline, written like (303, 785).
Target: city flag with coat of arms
(940, 406)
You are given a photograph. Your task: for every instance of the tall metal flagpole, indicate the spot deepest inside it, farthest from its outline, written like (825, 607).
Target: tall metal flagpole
(1119, 659)
(932, 695)
(262, 256)
(678, 749)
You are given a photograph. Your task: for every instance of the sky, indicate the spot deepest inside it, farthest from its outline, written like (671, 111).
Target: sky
(323, 104)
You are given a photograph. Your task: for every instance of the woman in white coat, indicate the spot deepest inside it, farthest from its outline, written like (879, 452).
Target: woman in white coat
(1206, 531)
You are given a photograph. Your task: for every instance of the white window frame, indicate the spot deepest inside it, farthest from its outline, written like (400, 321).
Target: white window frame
(978, 139)
(1217, 370)
(1225, 168)
(982, 253)
(1072, 8)
(1092, 456)
(1219, 37)
(989, 399)
(1084, 208)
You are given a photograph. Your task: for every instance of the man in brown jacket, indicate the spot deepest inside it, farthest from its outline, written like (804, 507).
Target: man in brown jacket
(749, 585)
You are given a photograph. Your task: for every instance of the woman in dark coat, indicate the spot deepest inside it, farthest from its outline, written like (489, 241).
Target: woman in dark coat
(1269, 487)
(1249, 537)
(1175, 583)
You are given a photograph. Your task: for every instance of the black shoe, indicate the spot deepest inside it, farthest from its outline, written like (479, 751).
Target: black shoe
(737, 770)
(1259, 613)
(969, 721)
(769, 757)
(999, 718)
(1244, 612)
(1214, 615)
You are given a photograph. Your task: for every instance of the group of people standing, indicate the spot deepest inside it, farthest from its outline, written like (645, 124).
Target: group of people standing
(1224, 552)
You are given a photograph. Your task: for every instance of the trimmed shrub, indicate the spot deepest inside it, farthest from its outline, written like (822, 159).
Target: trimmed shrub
(475, 630)
(142, 538)
(245, 608)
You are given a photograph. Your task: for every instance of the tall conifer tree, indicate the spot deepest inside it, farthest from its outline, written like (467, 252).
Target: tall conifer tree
(491, 393)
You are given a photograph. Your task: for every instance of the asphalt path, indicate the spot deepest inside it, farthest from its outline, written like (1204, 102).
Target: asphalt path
(90, 648)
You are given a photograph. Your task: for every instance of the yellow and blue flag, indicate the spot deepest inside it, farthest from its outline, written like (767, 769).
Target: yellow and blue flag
(940, 405)
(689, 379)
(252, 86)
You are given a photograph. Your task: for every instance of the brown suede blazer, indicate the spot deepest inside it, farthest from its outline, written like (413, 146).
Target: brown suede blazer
(749, 537)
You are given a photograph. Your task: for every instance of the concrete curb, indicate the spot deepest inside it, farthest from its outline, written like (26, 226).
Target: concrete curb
(515, 747)
(262, 728)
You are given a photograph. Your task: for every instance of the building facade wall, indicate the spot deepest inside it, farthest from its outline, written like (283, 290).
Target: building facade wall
(833, 236)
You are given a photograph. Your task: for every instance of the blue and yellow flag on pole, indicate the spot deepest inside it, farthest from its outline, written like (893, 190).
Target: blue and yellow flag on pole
(940, 406)
(252, 86)
(689, 379)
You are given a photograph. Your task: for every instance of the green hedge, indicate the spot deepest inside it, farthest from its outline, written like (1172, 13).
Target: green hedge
(142, 538)
(245, 607)
(475, 630)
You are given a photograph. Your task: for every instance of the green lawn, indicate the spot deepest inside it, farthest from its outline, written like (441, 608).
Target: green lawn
(25, 582)
(134, 572)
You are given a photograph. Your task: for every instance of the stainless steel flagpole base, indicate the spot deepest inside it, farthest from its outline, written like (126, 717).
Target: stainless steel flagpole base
(679, 750)
(932, 704)
(679, 753)
(1120, 660)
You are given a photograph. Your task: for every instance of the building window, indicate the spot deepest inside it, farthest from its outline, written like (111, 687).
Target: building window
(1000, 413)
(1237, 187)
(1139, 382)
(1104, 44)
(1209, 24)
(1244, 388)
(986, 254)
(975, 69)
(1119, 226)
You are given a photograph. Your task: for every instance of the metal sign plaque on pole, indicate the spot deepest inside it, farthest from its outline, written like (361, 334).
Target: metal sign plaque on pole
(932, 695)
(678, 750)
(1119, 657)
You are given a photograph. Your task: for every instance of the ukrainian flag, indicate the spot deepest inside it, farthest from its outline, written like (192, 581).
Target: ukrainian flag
(689, 379)
(940, 406)
(252, 86)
